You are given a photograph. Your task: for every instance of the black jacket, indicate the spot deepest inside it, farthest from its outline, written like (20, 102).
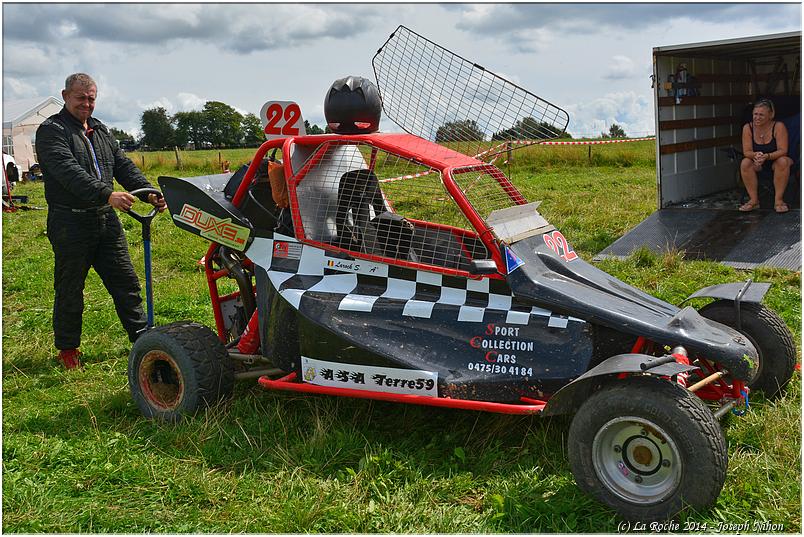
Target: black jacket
(68, 168)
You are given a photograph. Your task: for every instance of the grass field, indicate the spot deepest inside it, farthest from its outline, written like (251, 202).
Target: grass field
(78, 457)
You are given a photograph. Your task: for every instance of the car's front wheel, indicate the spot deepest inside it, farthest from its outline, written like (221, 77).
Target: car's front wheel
(647, 448)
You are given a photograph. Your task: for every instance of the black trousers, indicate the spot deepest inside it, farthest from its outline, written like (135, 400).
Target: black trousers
(81, 241)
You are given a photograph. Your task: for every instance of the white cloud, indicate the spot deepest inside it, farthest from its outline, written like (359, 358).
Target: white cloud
(259, 26)
(189, 101)
(162, 102)
(630, 110)
(595, 18)
(478, 14)
(113, 105)
(66, 29)
(14, 88)
(620, 67)
(27, 59)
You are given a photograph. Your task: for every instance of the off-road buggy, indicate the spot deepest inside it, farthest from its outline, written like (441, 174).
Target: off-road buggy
(407, 267)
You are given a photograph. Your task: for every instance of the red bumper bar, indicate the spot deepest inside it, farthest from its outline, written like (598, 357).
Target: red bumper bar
(288, 383)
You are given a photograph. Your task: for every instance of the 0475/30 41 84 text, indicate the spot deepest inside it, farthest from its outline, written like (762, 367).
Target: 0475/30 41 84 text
(500, 369)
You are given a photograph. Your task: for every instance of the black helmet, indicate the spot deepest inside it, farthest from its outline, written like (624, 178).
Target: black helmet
(353, 106)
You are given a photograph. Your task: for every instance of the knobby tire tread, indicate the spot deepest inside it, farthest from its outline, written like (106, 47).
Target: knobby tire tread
(784, 357)
(205, 350)
(628, 394)
(203, 360)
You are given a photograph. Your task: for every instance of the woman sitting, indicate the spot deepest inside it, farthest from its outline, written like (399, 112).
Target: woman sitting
(765, 148)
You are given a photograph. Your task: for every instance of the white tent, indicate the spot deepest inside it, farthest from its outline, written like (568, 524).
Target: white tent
(21, 118)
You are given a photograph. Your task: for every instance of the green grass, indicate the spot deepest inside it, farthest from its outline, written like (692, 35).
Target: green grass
(78, 457)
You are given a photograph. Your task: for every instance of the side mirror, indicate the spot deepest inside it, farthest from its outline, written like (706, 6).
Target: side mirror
(482, 266)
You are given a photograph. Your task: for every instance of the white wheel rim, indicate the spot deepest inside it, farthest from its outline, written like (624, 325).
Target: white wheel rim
(636, 460)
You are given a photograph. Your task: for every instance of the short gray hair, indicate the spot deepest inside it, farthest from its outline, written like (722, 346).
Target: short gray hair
(79, 79)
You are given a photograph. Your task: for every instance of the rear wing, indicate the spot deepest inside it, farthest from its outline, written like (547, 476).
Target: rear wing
(433, 93)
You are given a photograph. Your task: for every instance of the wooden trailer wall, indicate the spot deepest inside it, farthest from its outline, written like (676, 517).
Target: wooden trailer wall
(699, 121)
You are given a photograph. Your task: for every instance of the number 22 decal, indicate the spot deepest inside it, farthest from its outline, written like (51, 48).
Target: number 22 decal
(557, 243)
(274, 114)
(282, 118)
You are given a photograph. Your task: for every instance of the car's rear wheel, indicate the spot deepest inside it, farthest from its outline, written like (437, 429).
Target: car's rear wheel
(769, 335)
(177, 370)
(647, 448)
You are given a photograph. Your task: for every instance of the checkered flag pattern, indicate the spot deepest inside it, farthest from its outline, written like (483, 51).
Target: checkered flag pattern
(437, 95)
(412, 293)
(349, 196)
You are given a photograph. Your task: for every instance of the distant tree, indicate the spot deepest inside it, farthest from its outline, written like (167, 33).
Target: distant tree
(615, 131)
(121, 135)
(312, 129)
(190, 127)
(157, 130)
(528, 128)
(459, 131)
(223, 124)
(253, 135)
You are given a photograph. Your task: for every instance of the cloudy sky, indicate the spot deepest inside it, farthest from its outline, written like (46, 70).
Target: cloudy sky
(593, 60)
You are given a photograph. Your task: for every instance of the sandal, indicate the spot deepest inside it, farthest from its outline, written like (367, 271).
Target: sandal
(781, 207)
(748, 207)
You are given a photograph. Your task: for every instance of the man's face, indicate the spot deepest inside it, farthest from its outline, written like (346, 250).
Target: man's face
(80, 101)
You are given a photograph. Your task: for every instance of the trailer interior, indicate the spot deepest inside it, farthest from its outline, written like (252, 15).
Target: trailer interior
(703, 95)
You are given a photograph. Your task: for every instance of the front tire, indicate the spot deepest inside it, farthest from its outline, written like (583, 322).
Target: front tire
(647, 448)
(178, 369)
(769, 334)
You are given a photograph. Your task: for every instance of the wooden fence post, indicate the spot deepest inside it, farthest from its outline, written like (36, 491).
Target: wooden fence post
(590, 154)
(143, 161)
(178, 157)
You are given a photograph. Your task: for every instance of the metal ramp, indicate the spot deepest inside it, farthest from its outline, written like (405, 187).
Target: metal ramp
(739, 240)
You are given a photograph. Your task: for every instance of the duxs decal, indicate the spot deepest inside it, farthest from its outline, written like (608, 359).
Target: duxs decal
(210, 227)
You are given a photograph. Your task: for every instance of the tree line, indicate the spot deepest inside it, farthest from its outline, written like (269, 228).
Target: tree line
(527, 128)
(216, 125)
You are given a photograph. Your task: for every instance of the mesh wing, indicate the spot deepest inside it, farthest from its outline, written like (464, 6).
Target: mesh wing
(433, 93)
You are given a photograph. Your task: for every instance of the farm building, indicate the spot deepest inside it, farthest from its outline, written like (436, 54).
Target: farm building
(703, 95)
(20, 120)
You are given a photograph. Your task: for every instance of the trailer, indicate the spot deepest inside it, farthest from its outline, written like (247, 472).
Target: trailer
(703, 95)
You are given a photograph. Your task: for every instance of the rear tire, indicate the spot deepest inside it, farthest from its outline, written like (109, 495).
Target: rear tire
(769, 334)
(647, 448)
(178, 369)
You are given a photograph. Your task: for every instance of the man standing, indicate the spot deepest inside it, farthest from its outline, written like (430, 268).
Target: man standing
(79, 157)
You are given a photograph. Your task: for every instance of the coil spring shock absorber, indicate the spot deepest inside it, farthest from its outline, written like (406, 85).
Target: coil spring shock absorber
(680, 354)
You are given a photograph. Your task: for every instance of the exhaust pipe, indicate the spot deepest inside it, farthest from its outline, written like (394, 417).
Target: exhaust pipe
(232, 263)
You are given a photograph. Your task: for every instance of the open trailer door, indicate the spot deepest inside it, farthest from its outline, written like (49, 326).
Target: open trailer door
(703, 95)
